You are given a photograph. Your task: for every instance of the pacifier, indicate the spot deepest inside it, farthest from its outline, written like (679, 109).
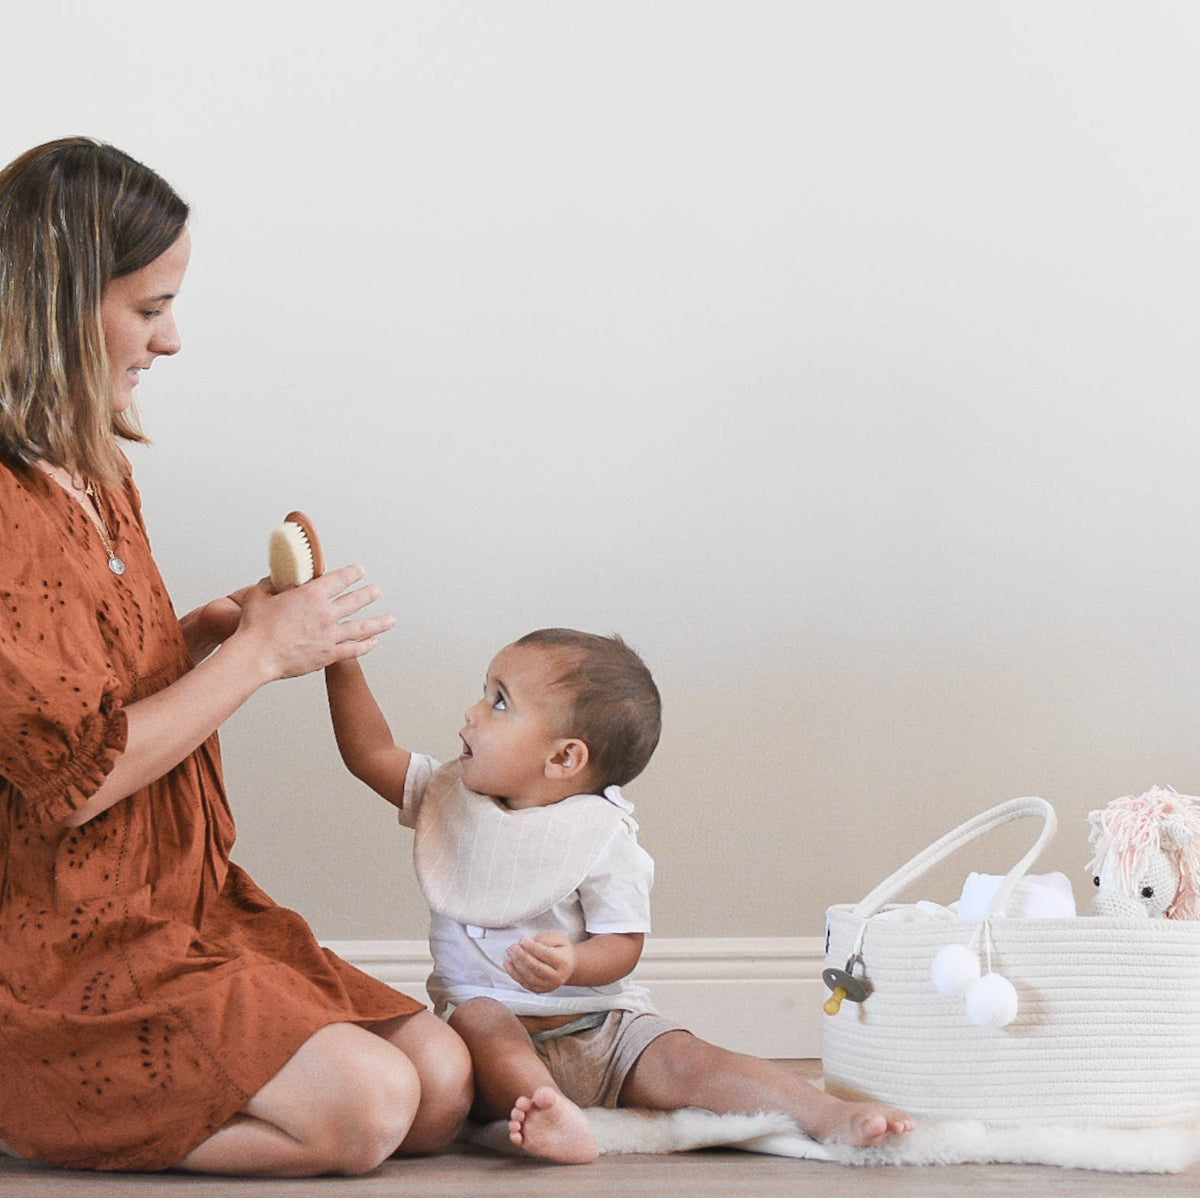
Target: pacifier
(845, 985)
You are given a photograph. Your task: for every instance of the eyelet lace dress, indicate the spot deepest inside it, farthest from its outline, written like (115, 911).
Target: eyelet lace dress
(148, 988)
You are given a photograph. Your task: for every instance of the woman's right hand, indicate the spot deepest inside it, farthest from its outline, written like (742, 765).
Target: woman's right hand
(308, 627)
(277, 636)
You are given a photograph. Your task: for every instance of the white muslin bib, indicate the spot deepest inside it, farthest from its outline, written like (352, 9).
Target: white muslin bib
(480, 863)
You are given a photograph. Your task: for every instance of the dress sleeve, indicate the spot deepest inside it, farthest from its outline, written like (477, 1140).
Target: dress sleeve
(615, 895)
(62, 723)
(420, 769)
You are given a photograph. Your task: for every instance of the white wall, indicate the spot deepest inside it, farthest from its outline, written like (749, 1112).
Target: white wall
(840, 356)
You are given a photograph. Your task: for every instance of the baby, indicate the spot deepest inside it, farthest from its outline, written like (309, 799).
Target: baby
(527, 854)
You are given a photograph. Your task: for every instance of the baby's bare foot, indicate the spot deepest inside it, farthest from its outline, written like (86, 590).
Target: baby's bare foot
(550, 1125)
(860, 1124)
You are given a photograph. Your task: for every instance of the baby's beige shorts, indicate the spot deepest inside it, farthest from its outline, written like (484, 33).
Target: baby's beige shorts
(590, 1065)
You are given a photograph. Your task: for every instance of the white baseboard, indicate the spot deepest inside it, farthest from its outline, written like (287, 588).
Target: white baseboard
(760, 995)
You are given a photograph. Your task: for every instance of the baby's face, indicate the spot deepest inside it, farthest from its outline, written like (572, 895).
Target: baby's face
(512, 731)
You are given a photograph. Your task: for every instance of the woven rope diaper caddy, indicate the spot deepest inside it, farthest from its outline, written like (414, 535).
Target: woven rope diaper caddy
(1107, 1029)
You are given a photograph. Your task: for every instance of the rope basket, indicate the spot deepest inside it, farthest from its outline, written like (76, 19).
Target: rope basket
(1107, 1028)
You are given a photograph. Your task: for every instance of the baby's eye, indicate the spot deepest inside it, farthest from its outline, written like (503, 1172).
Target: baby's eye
(498, 704)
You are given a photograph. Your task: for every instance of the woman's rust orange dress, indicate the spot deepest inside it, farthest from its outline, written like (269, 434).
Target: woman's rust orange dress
(148, 988)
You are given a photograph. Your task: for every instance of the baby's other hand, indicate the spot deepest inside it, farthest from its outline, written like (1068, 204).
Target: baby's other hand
(223, 615)
(541, 963)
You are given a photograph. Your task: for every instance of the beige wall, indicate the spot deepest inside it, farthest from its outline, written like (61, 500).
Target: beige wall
(840, 356)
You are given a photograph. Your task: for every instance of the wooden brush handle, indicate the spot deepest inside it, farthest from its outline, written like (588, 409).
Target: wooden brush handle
(314, 541)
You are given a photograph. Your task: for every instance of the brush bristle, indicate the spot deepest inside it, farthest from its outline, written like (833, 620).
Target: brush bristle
(290, 556)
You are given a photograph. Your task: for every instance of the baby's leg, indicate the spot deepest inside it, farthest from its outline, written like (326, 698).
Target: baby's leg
(679, 1069)
(511, 1080)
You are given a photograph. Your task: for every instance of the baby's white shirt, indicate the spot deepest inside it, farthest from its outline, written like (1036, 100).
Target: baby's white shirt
(468, 960)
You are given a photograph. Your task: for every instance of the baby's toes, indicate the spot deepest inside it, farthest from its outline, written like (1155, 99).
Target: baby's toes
(871, 1130)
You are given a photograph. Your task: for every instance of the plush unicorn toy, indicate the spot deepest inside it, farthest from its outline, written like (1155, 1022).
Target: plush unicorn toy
(1147, 858)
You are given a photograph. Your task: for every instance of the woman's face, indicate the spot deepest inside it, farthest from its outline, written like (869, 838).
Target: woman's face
(139, 324)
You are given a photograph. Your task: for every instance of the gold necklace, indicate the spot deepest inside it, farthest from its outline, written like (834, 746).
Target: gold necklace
(115, 564)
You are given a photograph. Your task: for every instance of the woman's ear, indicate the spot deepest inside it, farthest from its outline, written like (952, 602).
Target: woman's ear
(568, 760)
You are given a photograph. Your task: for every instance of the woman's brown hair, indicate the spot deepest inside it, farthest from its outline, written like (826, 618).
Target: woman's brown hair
(74, 215)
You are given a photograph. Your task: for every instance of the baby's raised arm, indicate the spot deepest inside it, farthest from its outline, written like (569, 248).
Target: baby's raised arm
(363, 737)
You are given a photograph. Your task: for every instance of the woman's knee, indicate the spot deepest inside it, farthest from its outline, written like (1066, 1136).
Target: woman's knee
(367, 1107)
(445, 1070)
(443, 1065)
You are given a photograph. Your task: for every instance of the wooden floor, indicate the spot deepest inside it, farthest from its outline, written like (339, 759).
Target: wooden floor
(715, 1173)
(469, 1173)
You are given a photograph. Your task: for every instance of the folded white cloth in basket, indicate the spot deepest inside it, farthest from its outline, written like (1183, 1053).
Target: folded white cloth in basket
(1037, 896)
(923, 911)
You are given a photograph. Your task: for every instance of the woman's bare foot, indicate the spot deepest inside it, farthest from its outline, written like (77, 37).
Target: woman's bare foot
(551, 1126)
(859, 1124)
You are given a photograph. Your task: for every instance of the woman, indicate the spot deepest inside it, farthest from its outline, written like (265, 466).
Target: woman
(156, 1008)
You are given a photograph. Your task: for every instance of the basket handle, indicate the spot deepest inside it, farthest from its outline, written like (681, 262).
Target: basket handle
(937, 852)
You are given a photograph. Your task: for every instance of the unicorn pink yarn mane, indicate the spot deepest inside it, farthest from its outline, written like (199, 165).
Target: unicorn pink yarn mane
(1130, 831)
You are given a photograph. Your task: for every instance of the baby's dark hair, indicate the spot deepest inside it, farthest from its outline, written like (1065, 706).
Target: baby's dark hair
(615, 706)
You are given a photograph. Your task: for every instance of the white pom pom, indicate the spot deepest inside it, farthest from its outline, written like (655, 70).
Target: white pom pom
(992, 1001)
(954, 969)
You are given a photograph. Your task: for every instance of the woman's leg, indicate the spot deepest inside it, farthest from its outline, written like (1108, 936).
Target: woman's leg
(443, 1067)
(342, 1104)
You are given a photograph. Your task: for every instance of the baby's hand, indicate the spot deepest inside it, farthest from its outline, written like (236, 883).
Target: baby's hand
(541, 963)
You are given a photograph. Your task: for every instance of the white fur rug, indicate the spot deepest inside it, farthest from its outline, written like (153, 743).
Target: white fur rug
(1110, 1149)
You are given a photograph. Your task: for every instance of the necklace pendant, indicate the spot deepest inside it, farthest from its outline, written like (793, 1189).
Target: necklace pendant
(115, 564)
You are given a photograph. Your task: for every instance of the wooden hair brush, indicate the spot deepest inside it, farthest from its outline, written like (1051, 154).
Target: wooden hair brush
(294, 552)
